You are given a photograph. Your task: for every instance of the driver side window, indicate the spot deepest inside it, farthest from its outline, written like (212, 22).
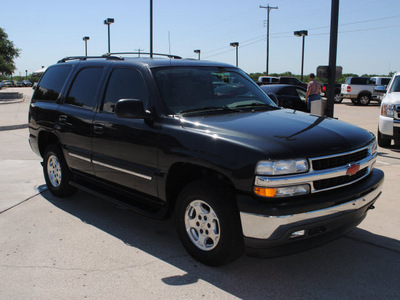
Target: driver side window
(124, 84)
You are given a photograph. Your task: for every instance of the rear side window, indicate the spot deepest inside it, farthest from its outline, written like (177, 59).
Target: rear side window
(84, 88)
(124, 84)
(50, 86)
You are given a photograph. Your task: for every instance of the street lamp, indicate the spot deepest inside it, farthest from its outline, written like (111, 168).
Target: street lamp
(198, 52)
(108, 22)
(86, 38)
(26, 74)
(302, 33)
(236, 45)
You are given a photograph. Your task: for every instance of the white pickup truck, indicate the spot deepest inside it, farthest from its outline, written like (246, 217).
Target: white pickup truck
(358, 89)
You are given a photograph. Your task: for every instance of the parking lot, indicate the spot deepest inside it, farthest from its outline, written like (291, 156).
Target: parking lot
(83, 247)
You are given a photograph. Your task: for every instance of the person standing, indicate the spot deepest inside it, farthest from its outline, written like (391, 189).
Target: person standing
(313, 91)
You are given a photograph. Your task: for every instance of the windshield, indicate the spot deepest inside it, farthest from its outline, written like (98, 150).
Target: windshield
(199, 89)
(395, 85)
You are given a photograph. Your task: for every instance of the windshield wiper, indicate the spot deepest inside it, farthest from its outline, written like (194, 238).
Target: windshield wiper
(209, 108)
(256, 105)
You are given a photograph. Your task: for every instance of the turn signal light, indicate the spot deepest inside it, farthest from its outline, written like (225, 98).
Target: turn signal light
(265, 192)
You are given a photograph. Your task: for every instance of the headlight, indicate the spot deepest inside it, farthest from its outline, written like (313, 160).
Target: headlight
(387, 110)
(282, 167)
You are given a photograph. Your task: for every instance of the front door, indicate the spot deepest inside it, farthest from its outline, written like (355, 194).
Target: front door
(125, 150)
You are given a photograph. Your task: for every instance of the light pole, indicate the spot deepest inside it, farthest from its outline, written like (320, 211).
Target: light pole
(108, 22)
(302, 33)
(26, 74)
(236, 45)
(198, 52)
(86, 38)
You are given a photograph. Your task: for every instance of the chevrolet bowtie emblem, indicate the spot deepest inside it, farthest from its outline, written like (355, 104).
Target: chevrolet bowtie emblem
(352, 169)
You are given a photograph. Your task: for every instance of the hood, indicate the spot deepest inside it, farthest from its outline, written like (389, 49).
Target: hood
(281, 133)
(392, 98)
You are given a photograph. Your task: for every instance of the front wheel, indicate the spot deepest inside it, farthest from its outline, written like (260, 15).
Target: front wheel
(56, 172)
(208, 223)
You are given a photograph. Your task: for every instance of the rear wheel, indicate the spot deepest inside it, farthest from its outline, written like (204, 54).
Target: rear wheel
(208, 223)
(338, 98)
(56, 172)
(364, 99)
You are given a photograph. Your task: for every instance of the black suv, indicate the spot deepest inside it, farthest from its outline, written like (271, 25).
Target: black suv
(201, 142)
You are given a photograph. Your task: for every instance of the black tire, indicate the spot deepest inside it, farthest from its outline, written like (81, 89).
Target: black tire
(364, 99)
(355, 101)
(56, 172)
(383, 142)
(208, 223)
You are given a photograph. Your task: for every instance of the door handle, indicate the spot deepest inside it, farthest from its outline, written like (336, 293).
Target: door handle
(62, 119)
(98, 128)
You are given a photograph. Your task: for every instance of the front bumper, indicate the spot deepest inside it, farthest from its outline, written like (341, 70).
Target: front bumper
(389, 127)
(277, 234)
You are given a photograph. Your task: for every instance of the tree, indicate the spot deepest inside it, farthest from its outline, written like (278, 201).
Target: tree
(8, 52)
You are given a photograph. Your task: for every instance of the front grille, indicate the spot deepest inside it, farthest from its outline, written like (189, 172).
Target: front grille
(397, 114)
(338, 181)
(337, 161)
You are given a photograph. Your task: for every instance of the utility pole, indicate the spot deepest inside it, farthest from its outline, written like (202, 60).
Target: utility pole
(139, 50)
(268, 8)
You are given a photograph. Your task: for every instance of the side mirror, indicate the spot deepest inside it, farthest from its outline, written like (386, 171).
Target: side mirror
(131, 109)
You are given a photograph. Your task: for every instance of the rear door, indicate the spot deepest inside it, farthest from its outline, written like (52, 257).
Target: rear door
(75, 117)
(125, 150)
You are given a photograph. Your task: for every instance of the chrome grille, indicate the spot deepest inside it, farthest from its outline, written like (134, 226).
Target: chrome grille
(337, 161)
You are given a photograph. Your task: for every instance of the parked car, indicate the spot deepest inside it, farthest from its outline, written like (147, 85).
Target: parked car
(358, 89)
(1, 85)
(287, 96)
(26, 83)
(389, 118)
(235, 171)
(8, 83)
(324, 92)
(380, 91)
(267, 80)
(18, 84)
(292, 81)
(380, 80)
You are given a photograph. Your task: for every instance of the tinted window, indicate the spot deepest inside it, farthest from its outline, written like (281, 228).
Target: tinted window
(124, 84)
(53, 80)
(385, 81)
(84, 89)
(360, 80)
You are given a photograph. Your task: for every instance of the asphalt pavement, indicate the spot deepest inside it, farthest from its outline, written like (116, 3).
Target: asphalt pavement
(83, 247)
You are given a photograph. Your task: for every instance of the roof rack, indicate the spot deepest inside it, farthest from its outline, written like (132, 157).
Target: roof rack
(143, 53)
(88, 57)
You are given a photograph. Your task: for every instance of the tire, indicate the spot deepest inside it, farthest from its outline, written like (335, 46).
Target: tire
(383, 142)
(208, 223)
(56, 172)
(338, 98)
(364, 99)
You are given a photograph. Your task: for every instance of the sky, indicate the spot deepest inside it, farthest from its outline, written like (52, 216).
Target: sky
(368, 39)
